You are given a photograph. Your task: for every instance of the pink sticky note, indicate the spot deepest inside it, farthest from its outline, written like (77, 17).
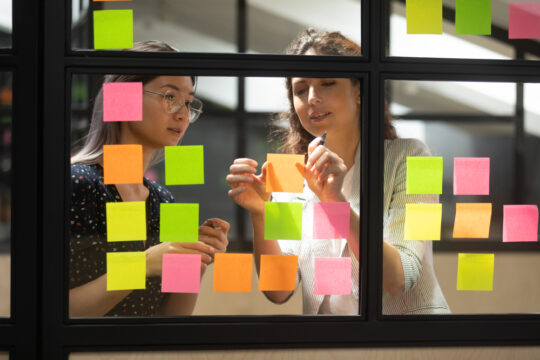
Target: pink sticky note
(332, 276)
(520, 223)
(331, 220)
(122, 101)
(471, 176)
(524, 20)
(181, 273)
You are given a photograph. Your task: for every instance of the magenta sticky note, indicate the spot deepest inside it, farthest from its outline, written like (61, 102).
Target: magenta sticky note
(524, 20)
(520, 223)
(181, 273)
(332, 276)
(471, 176)
(122, 101)
(331, 220)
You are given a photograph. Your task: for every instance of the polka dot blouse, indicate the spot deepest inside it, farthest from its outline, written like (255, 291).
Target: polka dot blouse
(88, 236)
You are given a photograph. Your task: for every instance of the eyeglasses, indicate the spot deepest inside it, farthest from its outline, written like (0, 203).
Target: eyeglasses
(173, 103)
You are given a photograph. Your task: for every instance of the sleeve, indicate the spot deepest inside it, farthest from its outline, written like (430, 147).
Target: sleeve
(410, 252)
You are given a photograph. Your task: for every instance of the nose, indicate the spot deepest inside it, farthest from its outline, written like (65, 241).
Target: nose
(182, 113)
(313, 95)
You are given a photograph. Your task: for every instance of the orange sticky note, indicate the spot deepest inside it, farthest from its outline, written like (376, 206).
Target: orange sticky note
(232, 272)
(122, 164)
(278, 272)
(472, 220)
(283, 173)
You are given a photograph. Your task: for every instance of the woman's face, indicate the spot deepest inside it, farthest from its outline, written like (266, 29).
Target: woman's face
(327, 105)
(158, 127)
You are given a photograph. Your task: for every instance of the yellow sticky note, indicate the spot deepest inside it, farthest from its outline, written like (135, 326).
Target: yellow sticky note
(126, 221)
(475, 272)
(126, 270)
(285, 173)
(424, 16)
(472, 220)
(423, 221)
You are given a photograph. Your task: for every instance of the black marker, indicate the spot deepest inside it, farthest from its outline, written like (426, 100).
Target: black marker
(323, 139)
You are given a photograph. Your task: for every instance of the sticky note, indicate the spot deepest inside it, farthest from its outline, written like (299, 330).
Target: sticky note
(524, 20)
(332, 276)
(122, 164)
(331, 220)
(282, 221)
(122, 101)
(283, 174)
(126, 270)
(520, 223)
(423, 221)
(232, 272)
(278, 272)
(471, 176)
(113, 29)
(475, 272)
(181, 273)
(126, 221)
(472, 220)
(424, 16)
(179, 222)
(424, 174)
(184, 165)
(473, 17)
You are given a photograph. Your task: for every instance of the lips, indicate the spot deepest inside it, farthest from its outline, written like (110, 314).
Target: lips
(174, 130)
(319, 116)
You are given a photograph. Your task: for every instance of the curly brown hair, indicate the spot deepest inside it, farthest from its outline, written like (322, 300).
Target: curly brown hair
(295, 139)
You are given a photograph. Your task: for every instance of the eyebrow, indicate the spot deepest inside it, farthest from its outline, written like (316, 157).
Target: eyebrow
(299, 82)
(174, 87)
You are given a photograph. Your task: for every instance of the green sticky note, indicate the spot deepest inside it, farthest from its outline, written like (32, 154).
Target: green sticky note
(126, 270)
(126, 221)
(113, 29)
(184, 165)
(283, 221)
(179, 222)
(473, 17)
(424, 16)
(424, 174)
(475, 272)
(423, 222)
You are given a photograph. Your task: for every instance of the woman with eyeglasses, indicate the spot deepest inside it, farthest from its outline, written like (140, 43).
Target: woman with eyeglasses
(169, 107)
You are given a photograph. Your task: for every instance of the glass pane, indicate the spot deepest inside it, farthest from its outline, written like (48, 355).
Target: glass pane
(211, 25)
(5, 192)
(218, 130)
(473, 268)
(448, 44)
(6, 23)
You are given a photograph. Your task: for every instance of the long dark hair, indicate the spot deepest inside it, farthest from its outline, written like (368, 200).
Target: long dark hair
(295, 139)
(105, 133)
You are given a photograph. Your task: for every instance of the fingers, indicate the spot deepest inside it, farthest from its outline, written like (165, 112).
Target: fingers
(242, 169)
(220, 223)
(236, 191)
(313, 144)
(205, 258)
(315, 156)
(192, 246)
(235, 180)
(332, 170)
(218, 243)
(247, 161)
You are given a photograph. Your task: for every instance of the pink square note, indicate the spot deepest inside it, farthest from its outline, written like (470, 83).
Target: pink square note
(331, 220)
(524, 20)
(181, 273)
(122, 101)
(520, 223)
(332, 276)
(471, 176)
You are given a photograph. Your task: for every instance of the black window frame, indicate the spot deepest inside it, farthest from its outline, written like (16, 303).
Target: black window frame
(42, 63)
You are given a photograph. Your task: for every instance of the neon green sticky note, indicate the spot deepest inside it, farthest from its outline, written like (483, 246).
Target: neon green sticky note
(424, 16)
(184, 165)
(424, 174)
(282, 221)
(113, 29)
(126, 270)
(126, 221)
(423, 221)
(475, 272)
(179, 222)
(473, 17)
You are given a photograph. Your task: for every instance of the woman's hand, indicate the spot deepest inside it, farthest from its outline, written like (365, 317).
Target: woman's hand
(247, 189)
(154, 254)
(213, 232)
(324, 172)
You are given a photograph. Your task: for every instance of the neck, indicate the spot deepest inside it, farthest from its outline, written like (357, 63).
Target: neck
(344, 146)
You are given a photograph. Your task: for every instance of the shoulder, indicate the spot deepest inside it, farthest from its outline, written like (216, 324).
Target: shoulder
(162, 192)
(84, 176)
(401, 148)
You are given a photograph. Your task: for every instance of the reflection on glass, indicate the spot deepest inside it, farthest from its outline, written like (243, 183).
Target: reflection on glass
(6, 20)
(452, 126)
(5, 192)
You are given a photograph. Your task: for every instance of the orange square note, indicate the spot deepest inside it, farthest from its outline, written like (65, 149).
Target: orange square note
(232, 272)
(278, 272)
(122, 164)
